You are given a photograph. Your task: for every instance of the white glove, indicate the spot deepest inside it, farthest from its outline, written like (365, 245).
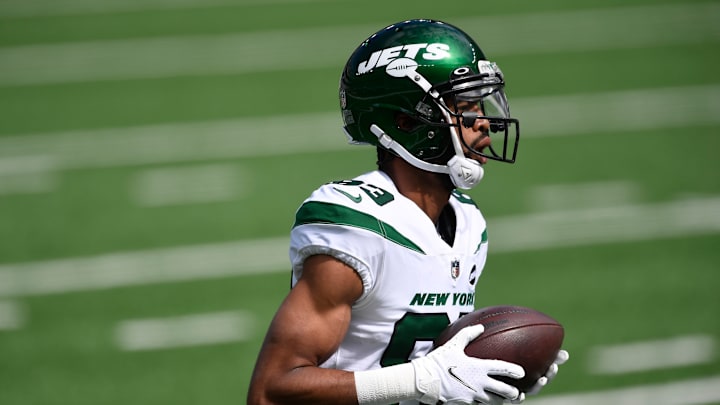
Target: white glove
(447, 374)
(561, 358)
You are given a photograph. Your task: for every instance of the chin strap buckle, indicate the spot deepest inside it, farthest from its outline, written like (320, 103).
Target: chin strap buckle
(464, 172)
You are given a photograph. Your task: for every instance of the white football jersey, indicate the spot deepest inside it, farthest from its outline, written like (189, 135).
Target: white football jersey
(415, 284)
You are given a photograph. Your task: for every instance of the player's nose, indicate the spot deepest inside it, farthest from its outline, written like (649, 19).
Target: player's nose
(482, 125)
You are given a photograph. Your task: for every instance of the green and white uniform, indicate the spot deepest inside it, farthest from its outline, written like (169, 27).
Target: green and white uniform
(415, 284)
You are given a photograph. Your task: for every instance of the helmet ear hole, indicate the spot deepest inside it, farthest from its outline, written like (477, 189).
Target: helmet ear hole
(405, 122)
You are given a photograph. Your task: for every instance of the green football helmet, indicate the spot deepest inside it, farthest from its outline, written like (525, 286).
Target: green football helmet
(430, 71)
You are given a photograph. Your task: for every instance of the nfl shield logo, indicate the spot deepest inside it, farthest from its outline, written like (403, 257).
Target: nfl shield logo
(455, 268)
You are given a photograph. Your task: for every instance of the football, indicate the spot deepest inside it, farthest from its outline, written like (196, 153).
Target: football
(515, 334)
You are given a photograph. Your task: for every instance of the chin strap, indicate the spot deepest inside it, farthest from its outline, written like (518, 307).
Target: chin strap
(464, 173)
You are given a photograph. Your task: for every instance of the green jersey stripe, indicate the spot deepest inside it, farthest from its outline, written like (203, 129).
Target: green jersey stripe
(483, 240)
(315, 212)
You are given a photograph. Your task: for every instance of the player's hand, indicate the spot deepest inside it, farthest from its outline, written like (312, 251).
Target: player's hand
(447, 374)
(561, 358)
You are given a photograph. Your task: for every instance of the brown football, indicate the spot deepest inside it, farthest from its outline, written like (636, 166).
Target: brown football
(516, 334)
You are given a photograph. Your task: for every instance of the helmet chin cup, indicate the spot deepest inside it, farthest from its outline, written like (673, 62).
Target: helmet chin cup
(465, 173)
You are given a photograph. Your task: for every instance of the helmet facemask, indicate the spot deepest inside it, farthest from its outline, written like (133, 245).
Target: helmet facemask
(469, 97)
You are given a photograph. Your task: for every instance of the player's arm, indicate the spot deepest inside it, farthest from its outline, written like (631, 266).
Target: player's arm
(306, 330)
(312, 322)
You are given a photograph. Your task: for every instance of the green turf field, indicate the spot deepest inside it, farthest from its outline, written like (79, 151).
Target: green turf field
(152, 155)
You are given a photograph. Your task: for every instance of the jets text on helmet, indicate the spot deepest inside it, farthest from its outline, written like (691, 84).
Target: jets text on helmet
(383, 57)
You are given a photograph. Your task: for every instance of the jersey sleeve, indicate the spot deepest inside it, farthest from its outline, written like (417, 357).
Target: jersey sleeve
(331, 222)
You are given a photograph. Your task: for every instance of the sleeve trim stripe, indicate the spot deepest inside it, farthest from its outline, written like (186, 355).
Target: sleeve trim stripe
(315, 212)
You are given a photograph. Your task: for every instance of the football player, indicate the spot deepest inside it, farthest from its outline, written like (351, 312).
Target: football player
(382, 263)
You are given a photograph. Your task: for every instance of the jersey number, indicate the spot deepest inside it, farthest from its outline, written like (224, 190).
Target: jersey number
(380, 196)
(413, 327)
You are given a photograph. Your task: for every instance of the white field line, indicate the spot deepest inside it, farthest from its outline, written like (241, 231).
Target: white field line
(181, 142)
(689, 392)
(188, 185)
(40, 8)
(254, 137)
(12, 315)
(282, 50)
(616, 224)
(551, 197)
(183, 331)
(619, 111)
(652, 355)
(220, 260)
(29, 183)
(27, 174)
(248, 257)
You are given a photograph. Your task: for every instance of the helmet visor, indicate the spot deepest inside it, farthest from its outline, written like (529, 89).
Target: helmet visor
(470, 102)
